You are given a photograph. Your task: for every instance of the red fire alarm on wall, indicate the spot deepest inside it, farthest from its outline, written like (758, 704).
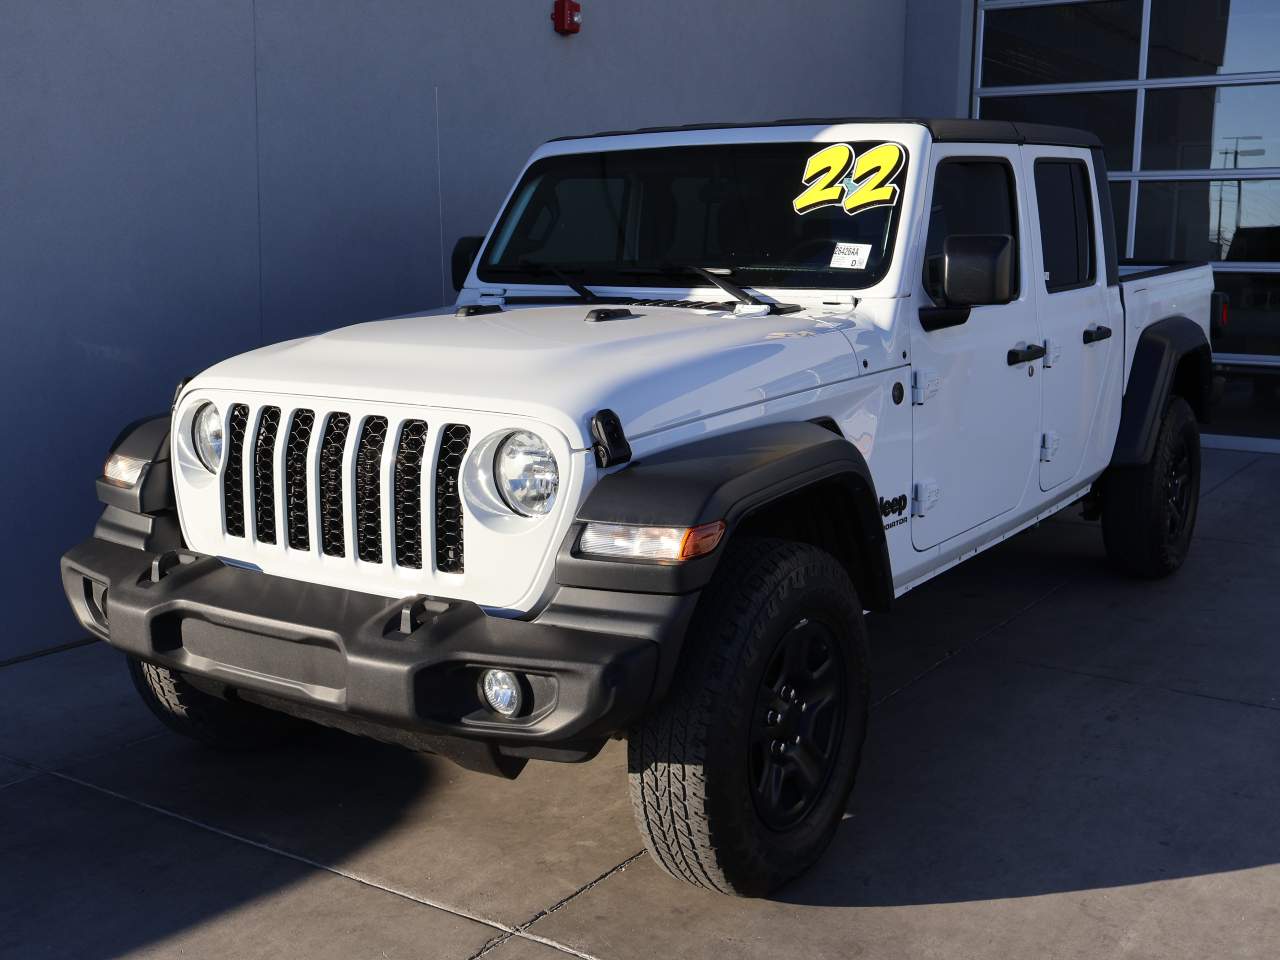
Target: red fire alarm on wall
(566, 16)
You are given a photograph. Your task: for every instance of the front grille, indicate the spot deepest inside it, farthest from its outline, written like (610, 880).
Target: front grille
(454, 440)
(264, 475)
(331, 478)
(233, 476)
(333, 537)
(295, 479)
(369, 490)
(409, 455)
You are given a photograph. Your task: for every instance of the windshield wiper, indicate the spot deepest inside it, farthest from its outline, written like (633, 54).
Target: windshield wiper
(725, 284)
(714, 275)
(538, 268)
(717, 276)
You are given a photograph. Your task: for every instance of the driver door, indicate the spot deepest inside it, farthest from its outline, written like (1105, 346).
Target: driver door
(976, 386)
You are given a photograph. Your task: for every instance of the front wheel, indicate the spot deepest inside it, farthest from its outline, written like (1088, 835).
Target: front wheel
(215, 722)
(1149, 511)
(740, 777)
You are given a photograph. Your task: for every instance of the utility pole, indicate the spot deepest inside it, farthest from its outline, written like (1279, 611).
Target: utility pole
(1235, 153)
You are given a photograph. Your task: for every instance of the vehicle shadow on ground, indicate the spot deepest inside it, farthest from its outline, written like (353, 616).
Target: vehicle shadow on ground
(90, 874)
(1011, 771)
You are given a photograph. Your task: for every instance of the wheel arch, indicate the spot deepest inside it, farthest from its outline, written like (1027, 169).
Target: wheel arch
(1172, 357)
(798, 480)
(838, 514)
(143, 516)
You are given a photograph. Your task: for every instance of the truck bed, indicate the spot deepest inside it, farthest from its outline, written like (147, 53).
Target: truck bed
(1153, 291)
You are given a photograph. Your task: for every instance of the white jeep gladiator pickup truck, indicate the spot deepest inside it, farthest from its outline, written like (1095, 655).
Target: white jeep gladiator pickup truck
(708, 395)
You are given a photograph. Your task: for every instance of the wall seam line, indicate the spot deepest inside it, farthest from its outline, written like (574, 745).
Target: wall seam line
(440, 197)
(257, 167)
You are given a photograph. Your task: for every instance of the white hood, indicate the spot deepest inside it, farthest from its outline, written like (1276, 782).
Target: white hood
(661, 367)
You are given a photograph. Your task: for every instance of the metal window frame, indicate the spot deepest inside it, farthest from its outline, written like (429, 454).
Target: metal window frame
(1139, 86)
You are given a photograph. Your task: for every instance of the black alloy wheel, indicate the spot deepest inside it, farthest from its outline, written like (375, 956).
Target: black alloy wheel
(1177, 491)
(795, 736)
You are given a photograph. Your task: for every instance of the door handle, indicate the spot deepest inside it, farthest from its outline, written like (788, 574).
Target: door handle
(1094, 334)
(1026, 354)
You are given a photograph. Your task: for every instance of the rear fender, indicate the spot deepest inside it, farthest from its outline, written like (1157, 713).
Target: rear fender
(1158, 371)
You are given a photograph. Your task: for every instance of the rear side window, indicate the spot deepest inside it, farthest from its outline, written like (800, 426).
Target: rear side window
(1066, 223)
(969, 197)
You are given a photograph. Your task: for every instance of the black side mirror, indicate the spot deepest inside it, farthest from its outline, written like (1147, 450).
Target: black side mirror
(465, 252)
(977, 269)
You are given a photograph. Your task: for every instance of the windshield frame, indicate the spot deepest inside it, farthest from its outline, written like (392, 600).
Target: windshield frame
(760, 277)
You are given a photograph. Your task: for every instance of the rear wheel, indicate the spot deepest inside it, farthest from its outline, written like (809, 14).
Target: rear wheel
(225, 724)
(740, 778)
(1149, 511)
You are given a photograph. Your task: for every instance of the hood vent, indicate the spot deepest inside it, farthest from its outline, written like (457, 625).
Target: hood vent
(608, 313)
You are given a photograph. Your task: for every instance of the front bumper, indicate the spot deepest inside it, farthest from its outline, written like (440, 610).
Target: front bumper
(400, 665)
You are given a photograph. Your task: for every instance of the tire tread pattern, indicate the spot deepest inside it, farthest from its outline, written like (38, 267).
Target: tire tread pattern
(667, 751)
(1133, 509)
(220, 723)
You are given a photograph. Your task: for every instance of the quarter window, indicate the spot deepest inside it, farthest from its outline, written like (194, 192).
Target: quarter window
(1066, 223)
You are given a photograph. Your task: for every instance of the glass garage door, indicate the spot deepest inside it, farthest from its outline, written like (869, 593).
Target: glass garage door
(1185, 95)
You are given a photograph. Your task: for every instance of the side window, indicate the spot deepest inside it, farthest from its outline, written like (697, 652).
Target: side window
(1066, 224)
(970, 197)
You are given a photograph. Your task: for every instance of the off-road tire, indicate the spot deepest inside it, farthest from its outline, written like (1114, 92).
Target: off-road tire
(219, 723)
(690, 759)
(1145, 532)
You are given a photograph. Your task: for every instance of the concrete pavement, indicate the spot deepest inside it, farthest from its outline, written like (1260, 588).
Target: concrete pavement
(1062, 763)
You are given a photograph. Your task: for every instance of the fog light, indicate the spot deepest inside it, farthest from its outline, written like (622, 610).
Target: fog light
(501, 691)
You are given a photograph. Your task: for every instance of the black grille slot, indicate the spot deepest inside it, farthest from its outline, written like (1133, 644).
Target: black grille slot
(373, 435)
(408, 499)
(333, 539)
(264, 475)
(454, 439)
(233, 475)
(295, 478)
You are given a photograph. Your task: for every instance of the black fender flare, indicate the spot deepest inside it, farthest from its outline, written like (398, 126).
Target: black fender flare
(1160, 350)
(724, 477)
(145, 515)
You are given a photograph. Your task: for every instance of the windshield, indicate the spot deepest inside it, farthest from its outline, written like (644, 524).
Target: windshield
(769, 214)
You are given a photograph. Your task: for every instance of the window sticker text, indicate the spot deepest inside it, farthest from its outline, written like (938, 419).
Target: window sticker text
(838, 176)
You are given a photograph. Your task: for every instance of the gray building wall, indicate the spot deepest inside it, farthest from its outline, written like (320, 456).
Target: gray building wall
(937, 58)
(181, 181)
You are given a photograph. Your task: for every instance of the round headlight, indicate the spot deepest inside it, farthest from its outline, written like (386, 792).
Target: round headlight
(526, 472)
(206, 436)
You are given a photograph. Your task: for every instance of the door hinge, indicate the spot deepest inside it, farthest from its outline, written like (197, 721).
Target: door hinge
(924, 384)
(1049, 443)
(924, 496)
(1052, 352)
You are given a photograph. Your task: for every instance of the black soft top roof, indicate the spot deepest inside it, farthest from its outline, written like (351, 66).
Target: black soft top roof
(942, 130)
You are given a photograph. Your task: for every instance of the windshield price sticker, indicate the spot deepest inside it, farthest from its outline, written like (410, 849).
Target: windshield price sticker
(839, 176)
(850, 256)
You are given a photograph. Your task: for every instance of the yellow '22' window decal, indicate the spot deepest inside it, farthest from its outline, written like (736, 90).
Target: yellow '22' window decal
(835, 175)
